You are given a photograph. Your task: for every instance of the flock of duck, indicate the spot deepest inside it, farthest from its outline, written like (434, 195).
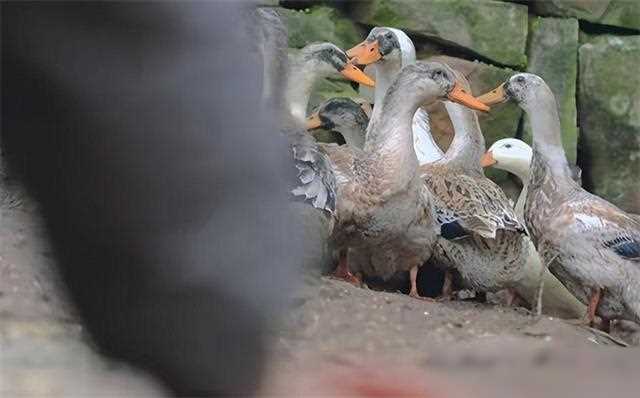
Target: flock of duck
(395, 199)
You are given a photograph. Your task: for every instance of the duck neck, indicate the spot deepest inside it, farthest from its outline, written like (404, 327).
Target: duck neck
(523, 175)
(389, 135)
(426, 149)
(548, 152)
(385, 73)
(467, 146)
(299, 85)
(353, 135)
(521, 170)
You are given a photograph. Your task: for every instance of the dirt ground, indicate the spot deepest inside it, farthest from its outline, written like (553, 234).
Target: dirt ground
(334, 335)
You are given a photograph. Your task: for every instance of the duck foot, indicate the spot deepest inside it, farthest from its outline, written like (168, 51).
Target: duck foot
(590, 317)
(417, 296)
(592, 307)
(513, 298)
(342, 271)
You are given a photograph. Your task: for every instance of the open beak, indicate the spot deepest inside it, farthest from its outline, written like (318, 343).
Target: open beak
(487, 159)
(495, 96)
(461, 96)
(365, 53)
(313, 121)
(352, 72)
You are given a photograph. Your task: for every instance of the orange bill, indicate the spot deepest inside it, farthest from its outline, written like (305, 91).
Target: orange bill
(461, 96)
(495, 96)
(365, 53)
(487, 159)
(352, 72)
(313, 121)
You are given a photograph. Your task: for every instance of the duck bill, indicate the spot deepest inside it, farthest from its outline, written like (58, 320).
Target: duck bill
(495, 96)
(487, 159)
(365, 53)
(352, 72)
(314, 122)
(461, 96)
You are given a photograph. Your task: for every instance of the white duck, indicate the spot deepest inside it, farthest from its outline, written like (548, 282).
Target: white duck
(385, 52)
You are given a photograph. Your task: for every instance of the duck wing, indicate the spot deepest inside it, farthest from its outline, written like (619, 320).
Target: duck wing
(606, 226)
(315, 173)
(465, 205)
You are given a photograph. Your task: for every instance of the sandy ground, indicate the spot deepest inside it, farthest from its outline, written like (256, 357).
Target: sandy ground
(336, 335)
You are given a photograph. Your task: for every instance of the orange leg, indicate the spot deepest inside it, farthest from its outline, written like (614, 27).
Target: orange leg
(342, 270)
(593, 305)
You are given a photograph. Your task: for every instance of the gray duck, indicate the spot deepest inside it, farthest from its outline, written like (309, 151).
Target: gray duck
(592, 246)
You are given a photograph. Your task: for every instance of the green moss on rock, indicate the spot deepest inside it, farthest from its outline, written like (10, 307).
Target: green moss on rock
(480, 26)
(621, 13)
(320, 24)
(553, 55)
(609, 114)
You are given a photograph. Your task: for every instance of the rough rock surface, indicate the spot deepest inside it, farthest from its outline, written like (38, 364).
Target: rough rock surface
(468, 24)
(320, 23)
(609, 111)
(620, 13)
(553, 55)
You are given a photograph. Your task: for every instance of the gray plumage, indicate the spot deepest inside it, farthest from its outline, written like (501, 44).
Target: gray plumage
(592, 245)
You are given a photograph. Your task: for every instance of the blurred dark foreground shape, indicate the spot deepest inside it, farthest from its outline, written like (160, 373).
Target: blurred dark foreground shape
(138, 129)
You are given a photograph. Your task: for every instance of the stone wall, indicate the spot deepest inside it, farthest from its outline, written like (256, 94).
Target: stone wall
(588, 51)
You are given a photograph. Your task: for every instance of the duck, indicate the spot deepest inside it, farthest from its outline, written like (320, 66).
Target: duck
(343, 115)
(288, 82)
(384, 53)
(382, 207)
(514, 156)
(313, 62)
(589, 244)
(387, 49)
(480, 234)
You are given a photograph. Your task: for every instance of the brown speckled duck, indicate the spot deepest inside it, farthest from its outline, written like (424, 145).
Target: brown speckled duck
(481, 236)
(382, 205)
(592, 246)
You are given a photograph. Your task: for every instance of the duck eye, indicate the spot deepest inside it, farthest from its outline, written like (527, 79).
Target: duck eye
(520, 79)
(389, 36)
(507, 146)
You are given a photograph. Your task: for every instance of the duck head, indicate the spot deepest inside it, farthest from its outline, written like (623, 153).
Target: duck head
(509, 154)
(326, 59)
(336, 113)
(432, 81)
(523, 88)
(382, 44)
(343, 115)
